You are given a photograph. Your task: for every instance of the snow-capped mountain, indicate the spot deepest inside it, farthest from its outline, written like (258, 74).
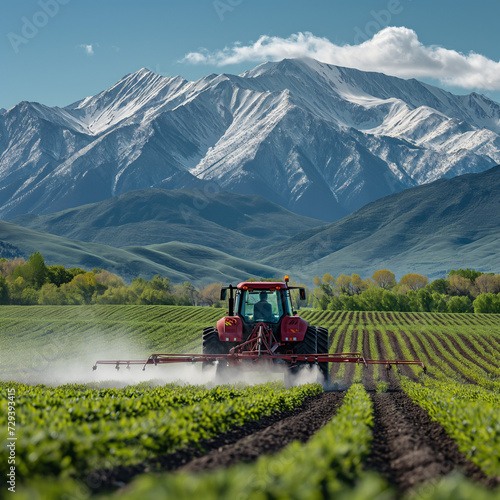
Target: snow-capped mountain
(318, 139)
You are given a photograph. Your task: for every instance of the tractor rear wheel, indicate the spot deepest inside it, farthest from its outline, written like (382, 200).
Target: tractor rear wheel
(315, 341)
(211, 344)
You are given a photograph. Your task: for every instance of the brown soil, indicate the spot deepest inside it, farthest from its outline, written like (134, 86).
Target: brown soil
(409, 449)
(340, 347)
(464, 353)
(396, 347)
(299, 427)
(494, 346)
(433, 343)
(469, 344)
(385, 375)
(496, 340)
(351, 367)
(241, 444)
(406, 339)
(368, 380)
(407, 318)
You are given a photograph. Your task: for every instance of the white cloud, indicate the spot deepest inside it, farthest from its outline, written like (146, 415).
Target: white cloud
(394, 50)
(88, 48)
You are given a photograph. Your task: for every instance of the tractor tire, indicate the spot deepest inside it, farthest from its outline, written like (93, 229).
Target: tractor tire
(212, 345)
(315, 341)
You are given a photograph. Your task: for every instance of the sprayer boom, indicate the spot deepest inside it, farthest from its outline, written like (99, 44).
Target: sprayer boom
(262, 328)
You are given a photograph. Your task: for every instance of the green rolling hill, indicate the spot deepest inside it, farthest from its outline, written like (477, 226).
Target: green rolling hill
(430, 229)
(178, 261)
(223, 221)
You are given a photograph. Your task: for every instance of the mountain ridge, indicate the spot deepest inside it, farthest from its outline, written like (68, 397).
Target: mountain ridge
(319, 140)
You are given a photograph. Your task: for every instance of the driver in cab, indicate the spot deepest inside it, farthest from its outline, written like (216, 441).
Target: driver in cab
(262, 310)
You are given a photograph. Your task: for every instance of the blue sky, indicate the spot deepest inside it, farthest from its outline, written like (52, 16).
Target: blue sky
(81, 47)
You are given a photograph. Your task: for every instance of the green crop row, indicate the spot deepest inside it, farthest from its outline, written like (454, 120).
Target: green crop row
(67, 430)
(468, 414)
(328, 466)
(58, 335)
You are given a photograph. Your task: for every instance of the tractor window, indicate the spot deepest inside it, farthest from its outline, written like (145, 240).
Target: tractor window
(260, 305)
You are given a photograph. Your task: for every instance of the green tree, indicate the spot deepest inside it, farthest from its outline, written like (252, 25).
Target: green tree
(210, 295)
(25, 272)
(414, 281)
(83, 286)
(487, 303)
(150, 296)
(343, 283)
(4, 291)
(106, 280)
(39, 269)
(58, 275)
(488, 283)
(440, 285)
(461, 286)
(138, 285)
(459, 305)
(390, 301)
(425, 301)
(7, 266)
(118, 295)
(439, 303)
(51, 294)
(384, 278)
(187, 292)
(29, 296)
(469, 274)
(74, 271)
(372, 299)
(160, 283)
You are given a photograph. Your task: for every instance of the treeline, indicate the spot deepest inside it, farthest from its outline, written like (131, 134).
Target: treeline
(32, 282)
(463, 291)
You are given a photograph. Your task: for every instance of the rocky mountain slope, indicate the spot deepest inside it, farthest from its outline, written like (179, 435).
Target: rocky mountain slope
(317, 139)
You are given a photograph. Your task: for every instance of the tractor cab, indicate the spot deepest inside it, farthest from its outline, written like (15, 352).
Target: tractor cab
(253, 302)
(262, 302)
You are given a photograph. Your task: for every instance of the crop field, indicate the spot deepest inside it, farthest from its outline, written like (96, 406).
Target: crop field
(371, 434)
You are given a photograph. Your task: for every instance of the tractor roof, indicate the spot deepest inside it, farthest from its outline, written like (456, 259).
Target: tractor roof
(261, 285)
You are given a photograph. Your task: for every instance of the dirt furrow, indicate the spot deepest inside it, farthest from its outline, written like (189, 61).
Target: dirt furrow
(351, 367)
(368, 379)
(460, 350)
(299, 427)
(494, 347)
(408, 448)
(340, 347)
(241, 444)
(433, 342)
(404, 369)
(385, 375)
(473, 347)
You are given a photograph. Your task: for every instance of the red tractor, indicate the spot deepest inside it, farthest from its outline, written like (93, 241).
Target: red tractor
(265, 306)
(262, 331)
